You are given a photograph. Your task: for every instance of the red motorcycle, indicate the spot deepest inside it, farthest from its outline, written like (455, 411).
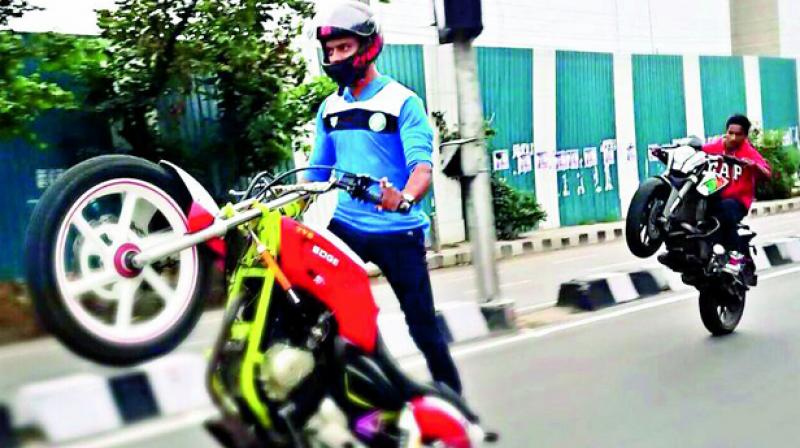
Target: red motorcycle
(119, 260)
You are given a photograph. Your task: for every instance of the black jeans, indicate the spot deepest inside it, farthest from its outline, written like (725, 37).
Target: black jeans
(730, 213)
(401, 258)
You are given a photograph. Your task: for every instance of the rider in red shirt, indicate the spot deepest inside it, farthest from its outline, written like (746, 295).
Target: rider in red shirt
(735, 200)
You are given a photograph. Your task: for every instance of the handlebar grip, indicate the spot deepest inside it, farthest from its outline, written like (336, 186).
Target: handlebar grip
(376, 199)
(733, 160)
(373, 198)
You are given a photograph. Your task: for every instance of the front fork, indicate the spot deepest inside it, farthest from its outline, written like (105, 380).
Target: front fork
(675, 200)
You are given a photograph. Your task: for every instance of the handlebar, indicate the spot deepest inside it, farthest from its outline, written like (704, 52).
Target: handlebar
(728, 159)
(358, 186)
(661, 153)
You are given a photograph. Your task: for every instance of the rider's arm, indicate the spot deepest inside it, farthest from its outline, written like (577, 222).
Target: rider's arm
(760, 164)
(417, 137)
(420, 181)
(323, 153)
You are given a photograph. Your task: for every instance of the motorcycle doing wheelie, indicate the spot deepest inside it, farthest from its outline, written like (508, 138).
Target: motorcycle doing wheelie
(120, 252)
(672, 208)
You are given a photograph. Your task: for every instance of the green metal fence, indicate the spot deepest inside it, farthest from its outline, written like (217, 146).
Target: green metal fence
(585, 115)
(659, 106)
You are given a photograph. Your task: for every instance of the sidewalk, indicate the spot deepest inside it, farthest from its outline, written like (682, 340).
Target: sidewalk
(567, 237)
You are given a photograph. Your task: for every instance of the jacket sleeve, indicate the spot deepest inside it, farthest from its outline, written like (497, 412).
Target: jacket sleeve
(765, 168)
(415, 133)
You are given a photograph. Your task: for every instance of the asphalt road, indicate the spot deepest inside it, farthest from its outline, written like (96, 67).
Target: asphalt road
(645, 374)
(642, 374)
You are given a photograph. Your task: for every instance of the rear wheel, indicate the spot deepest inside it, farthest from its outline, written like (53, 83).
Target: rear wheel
(83, 228)
(720, 310)
(642, 234)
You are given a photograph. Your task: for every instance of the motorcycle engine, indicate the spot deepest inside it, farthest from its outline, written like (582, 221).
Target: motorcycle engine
(283, 369)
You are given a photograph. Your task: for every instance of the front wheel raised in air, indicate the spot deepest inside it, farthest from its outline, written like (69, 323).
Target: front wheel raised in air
(642, 233)
(82, 229)
(720, 310)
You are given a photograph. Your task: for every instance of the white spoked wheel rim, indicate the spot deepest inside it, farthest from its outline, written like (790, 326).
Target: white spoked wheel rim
(89, 280)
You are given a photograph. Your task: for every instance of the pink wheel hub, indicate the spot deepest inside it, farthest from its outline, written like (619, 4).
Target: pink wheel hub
(122, 260)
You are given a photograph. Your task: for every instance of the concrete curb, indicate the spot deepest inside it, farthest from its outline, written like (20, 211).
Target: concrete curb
(612, 288)
(458, 321)
(71, 408)
(83, 405)
(775, 207)
(568, 237)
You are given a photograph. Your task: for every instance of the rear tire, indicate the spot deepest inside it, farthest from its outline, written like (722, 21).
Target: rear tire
(719, 311)
(77, 233)
(641, 234)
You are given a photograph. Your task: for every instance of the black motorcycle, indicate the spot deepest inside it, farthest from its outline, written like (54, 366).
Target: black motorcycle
(672, 208)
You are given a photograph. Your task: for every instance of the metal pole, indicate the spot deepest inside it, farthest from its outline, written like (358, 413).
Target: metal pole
(480, 213)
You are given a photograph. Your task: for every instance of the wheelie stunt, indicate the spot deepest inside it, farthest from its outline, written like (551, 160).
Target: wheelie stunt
(119, 255)
(695, 208)
(120, 252)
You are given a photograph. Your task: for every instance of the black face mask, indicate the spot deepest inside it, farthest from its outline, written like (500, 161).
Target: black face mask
(344, 73)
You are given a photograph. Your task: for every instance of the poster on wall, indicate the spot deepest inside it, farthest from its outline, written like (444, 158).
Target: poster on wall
(630, 154)
(589, 157)
(609, 145)
(524, 164)
(573, 158)
(523, 152)
(500, 160)
(545, 160)
(610, 157)
(521, 149)
(562, 161)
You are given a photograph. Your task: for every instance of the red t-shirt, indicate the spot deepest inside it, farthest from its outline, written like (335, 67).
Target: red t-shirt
(742, 179)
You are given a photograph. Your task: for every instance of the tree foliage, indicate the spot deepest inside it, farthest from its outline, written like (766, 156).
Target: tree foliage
(238, 54)
(784, 161)
(27, 64)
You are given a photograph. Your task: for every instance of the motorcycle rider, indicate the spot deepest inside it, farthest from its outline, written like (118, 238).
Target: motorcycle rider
(735, 201)
(375, 125)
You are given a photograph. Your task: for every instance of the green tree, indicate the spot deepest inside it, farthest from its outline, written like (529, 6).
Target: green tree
(237, 53)
(783, 160)
(27, 65)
